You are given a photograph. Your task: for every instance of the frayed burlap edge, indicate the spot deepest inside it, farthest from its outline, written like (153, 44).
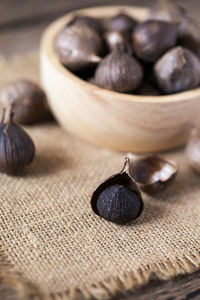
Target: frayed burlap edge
(13, 282)
(13, 286)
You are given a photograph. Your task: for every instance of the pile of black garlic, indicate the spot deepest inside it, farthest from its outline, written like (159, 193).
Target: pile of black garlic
(158, 56)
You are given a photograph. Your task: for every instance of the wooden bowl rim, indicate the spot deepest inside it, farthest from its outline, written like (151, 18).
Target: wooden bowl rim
(47, 47)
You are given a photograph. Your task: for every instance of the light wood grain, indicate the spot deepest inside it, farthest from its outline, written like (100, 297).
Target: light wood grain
(113, 120)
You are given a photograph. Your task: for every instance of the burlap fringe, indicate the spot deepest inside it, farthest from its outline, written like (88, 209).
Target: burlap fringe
(13, 283)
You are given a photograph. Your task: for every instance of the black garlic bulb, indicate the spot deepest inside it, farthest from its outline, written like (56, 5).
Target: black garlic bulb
(119, 71)
(17, 149)
(188, 30)
(189, 34)
(152, 38)
(92, 81)
(122, 22)
(78, 46)
(116, 38)
(28, 100)
(118, 199)
(168, 11)
(93, 23)
(153, 174)
(192, 151)
(177, 70)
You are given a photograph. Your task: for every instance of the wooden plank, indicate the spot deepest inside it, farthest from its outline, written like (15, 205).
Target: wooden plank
(180, 288)
(26, 10)
(18, 41)
(14, 12)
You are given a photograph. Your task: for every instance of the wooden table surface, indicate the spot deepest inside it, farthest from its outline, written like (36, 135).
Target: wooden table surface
(21, 27)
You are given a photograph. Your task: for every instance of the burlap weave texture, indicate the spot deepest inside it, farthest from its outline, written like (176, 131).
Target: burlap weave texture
(52, 244)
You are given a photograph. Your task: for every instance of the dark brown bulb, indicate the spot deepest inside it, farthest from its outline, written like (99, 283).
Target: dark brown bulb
(28, 100)
(17, 149)
(153, 174)
(92, 81)
(93, 23)
(78, 46)
(118, 204)
(177, 70)
(116, 38)
(119, 71)
(189, 34)
(188, 30)
(168, 11)
(122, 22)
(118, 199)
(148, 89)
(152, 38)
(192, 151)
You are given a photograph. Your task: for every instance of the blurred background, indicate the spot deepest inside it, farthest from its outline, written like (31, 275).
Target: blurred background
(23, 21)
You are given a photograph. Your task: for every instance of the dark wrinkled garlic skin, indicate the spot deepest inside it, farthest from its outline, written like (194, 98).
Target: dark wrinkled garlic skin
(118, 204)
(28, 100)
(116, 38)
(119, 71)
(118, 199)
(192, 151)
(78, 46)
(152, 38)
(153, 174)
(93, 23)
(122, 22)
(166, 10)
(17, 149)
(177, 70)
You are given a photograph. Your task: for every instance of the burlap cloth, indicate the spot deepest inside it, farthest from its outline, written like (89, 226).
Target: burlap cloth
(52, 244)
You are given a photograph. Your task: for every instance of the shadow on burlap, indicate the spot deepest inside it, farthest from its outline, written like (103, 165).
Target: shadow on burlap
(52, 244)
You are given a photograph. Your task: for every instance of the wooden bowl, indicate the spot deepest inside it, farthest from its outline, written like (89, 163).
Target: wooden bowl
(113, 120)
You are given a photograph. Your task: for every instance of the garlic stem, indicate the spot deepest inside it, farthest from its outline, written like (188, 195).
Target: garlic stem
(8, 114)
